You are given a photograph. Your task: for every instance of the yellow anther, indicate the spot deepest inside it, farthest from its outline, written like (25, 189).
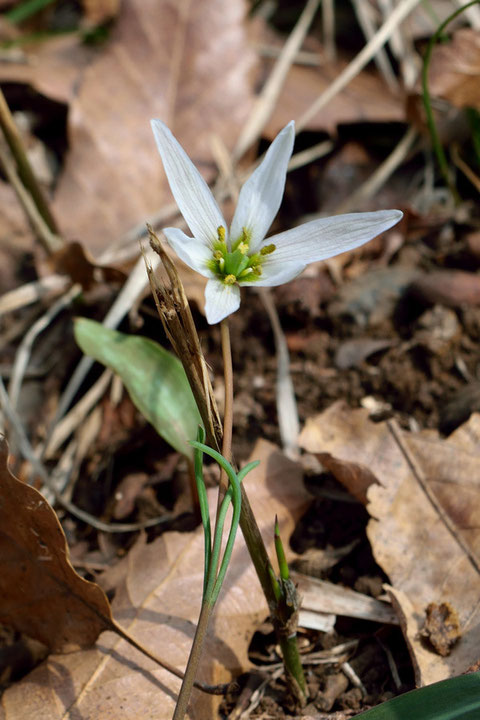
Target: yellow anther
(246, 235)
(268, 249)
(218, 255)
(221, 233)
(230, 280)
(243, 247)
(257, 270)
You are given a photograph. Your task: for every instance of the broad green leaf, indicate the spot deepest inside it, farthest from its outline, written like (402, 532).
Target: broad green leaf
(454, 699)
(154, 378)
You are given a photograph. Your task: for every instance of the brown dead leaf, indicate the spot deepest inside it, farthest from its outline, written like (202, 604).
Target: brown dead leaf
(424, 529)
(73, 260)
(455, 69)
(189, 65)
(41, 595)
(158, 603)
(54, 68)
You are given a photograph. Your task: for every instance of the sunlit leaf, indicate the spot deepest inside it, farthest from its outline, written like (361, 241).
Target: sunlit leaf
(154, 378)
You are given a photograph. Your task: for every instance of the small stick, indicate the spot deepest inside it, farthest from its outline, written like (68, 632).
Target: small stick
(359, 62)
(50, 241)
(267, 100)
(15, 143)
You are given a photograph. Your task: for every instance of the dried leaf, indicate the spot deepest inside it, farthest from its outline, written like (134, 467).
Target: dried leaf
(364, 100)
(41, 595)
(186, 64)
(158, 603)
(426, 546)
(73, 260)
(455, 69)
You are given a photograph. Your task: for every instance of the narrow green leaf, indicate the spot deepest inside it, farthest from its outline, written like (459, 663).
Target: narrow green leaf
(454, 699)
(154, 378)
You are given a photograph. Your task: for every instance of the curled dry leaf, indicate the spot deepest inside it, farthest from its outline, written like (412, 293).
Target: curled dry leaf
(157, 601)
(41, 595)
(424, 526)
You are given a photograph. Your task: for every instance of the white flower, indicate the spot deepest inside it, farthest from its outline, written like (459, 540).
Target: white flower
(242, 256)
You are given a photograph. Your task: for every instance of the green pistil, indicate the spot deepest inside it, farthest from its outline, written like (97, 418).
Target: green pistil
(236, 264)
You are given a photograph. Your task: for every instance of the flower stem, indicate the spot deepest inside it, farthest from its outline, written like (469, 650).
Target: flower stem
(193, 660)
(228, 411)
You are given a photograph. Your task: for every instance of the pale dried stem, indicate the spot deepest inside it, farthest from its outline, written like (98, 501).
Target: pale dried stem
(328, 27)
(364, 14)
(378, 178)
(359, 62)
(27, 176)
(267, 99)
(23, 353)
(51, 242)
(287, 410)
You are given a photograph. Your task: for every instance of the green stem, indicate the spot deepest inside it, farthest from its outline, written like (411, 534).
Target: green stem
(437, 145)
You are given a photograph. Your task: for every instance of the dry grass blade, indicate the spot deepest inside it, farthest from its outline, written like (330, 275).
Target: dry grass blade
(371, 186)
(265, 104)
(49, 240)
(364, 15)
(24, 350)
(360, 61)
(287, 411)
(33, 292)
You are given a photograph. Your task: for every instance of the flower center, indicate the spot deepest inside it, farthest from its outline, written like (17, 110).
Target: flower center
(236, 264)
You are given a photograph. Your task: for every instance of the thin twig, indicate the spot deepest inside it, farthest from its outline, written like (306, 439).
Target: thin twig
(47, 237)
(15, 142)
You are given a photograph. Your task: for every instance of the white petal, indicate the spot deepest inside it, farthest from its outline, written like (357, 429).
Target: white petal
(326, 237)
(276, 274)
(220, 300)
(193, 252)
(261, 195)
(189, 189)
